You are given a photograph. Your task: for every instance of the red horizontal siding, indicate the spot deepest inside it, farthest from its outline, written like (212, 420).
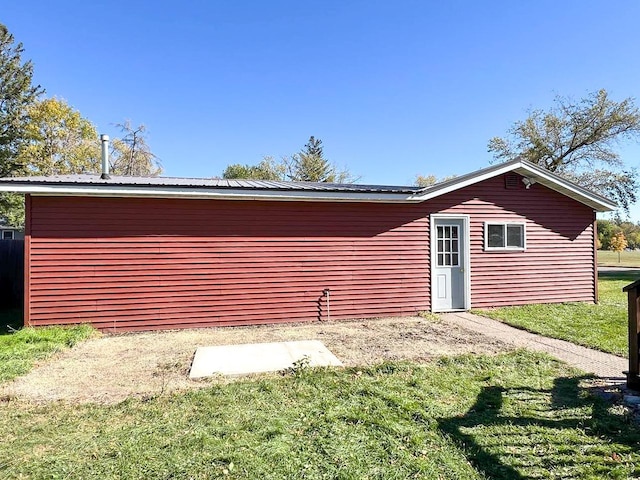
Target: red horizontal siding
(142, 263)
(558, 263)
(139, 264)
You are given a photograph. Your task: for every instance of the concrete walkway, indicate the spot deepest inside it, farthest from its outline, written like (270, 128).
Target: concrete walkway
(619, 269)
(603, 365)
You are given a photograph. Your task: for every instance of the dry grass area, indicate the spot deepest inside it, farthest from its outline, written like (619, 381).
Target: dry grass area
(110, 368)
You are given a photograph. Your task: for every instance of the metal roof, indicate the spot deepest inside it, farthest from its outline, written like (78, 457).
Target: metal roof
(216, 183)
(168, 187)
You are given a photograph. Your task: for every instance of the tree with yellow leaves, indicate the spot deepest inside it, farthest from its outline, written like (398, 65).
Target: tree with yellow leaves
(618, 243)
(58, 140)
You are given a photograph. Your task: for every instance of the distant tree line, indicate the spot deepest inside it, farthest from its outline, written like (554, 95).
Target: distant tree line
(612, 232)
(47, 136)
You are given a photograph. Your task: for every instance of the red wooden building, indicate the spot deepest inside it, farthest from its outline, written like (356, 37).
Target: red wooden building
(129, 253)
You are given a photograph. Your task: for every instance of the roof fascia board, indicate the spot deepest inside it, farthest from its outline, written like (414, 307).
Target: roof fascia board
(579, 194)
(575, 189)
(450, 187)
(226, 194)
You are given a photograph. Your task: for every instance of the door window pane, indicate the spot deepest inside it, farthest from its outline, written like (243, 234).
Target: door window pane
(448, 246)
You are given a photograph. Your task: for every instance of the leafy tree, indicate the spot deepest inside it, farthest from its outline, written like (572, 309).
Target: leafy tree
(17, 93)
(578, 140)
(618, 243)
(429, 180)
(267, 169)
(58, 140)
(631, 232)
(309, 165)
(425, 180)
(633, 239)
(131, 155)
(606, 230)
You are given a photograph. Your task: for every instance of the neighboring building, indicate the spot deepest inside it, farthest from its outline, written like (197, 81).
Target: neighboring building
(150, 253)
(10, 233)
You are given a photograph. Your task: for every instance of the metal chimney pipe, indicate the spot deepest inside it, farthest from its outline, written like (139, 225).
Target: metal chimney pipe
(105, 157)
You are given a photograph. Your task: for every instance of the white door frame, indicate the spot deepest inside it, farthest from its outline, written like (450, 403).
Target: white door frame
(466, 256)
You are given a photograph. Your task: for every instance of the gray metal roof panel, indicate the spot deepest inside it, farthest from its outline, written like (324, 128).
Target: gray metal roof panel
(215, 183)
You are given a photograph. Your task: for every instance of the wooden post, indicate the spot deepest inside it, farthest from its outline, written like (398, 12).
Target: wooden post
(633, 375)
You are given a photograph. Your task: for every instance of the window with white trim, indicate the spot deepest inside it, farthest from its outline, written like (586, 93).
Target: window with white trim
(504, 236)
(7, 234)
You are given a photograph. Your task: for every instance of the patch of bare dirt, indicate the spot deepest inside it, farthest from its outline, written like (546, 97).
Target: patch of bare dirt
(110, 368)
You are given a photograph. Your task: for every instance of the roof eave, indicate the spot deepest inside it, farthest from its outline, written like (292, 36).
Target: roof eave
(554, 182)
(204, 193)
(544, 177)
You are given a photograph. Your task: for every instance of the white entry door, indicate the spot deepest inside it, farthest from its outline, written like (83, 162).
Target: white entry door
(448, 273)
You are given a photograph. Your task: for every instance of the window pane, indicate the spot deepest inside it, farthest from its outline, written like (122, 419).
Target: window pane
(440, 232)
(440, 259)
(454, 245)
(447, 259)
(454, 232)
(454, 259)
(7, 235)
(496, 236)
(515, 236)
(440, 245)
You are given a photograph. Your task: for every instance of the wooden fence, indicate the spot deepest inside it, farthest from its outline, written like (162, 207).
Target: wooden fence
(11, 273)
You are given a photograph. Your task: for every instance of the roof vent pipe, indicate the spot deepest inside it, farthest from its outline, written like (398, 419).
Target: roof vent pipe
(105, 157)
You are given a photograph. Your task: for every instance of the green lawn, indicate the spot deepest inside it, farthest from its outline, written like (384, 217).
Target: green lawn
(627, 259)
(512, 416)
(602, 326)
(20, 349)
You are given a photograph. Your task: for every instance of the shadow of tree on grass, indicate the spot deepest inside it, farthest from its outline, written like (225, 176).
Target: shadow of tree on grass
(566, 432)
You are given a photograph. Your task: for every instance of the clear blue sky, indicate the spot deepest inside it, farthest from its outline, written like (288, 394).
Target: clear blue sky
(393, 88)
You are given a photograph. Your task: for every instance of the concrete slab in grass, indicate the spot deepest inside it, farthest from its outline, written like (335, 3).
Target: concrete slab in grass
(259, 358)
